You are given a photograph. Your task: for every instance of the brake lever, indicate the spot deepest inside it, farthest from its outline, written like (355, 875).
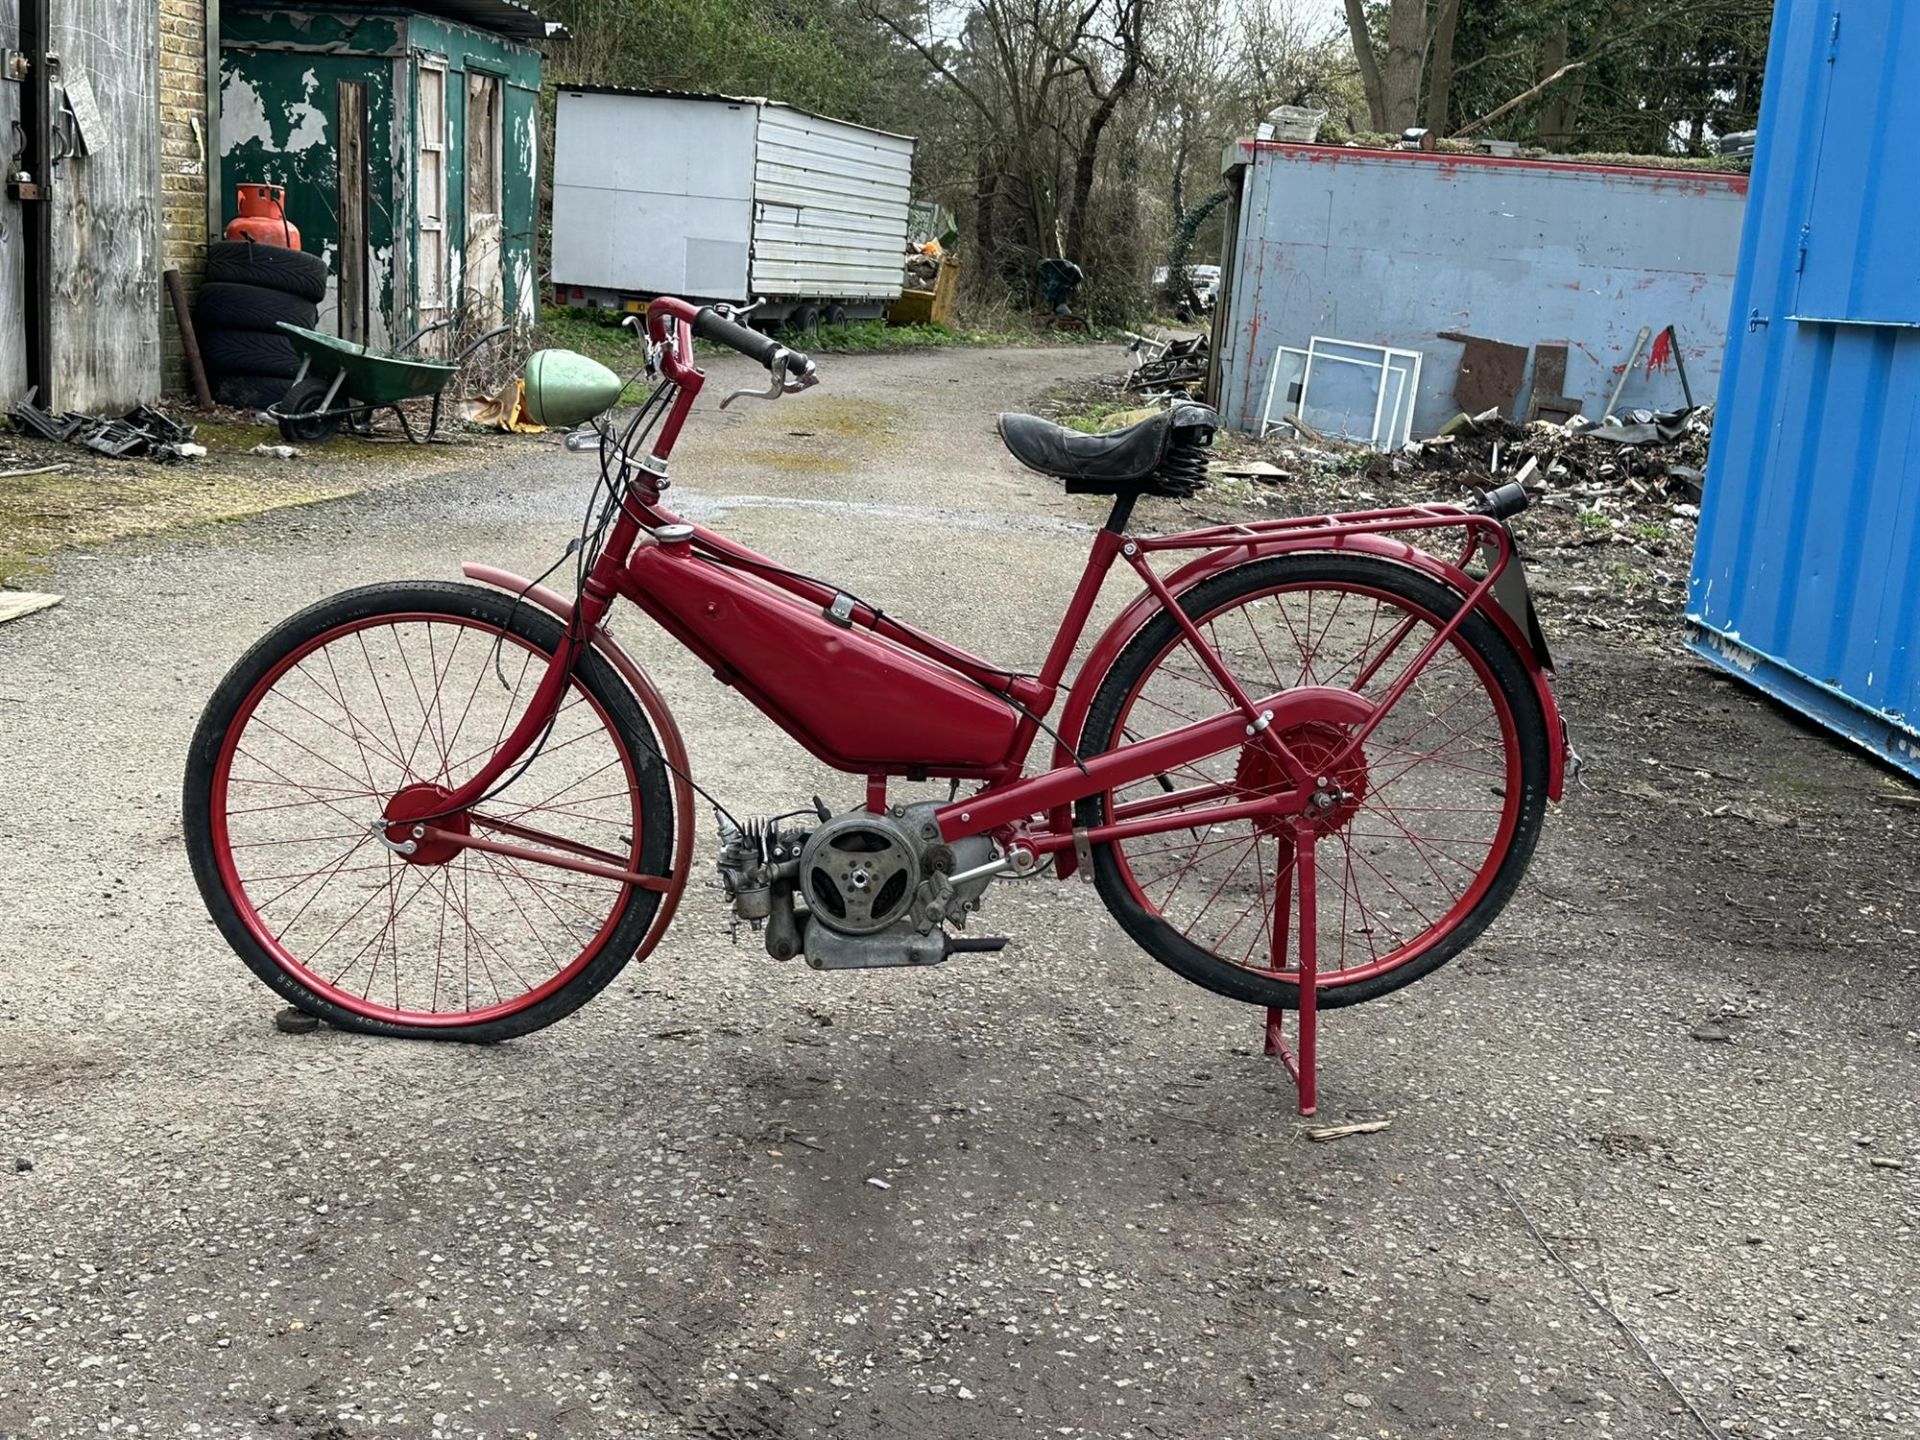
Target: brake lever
(784, 380)
(649, 352)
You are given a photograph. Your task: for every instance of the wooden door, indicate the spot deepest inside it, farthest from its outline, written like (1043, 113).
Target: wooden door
(353, 187)
(485, 297)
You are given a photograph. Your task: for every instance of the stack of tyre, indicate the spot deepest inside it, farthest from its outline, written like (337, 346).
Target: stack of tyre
(249, 289)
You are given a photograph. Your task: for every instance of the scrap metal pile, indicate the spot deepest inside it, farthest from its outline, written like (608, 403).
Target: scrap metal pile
(1163, 368)
(142, 433)
(1641, 458)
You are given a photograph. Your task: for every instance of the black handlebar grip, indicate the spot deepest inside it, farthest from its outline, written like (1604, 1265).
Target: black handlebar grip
(1506, 502)
(709, 324)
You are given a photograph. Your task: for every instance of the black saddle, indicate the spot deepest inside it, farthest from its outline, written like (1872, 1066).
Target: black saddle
(1166, 455)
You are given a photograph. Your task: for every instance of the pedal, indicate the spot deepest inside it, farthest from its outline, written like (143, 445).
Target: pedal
(975, 944)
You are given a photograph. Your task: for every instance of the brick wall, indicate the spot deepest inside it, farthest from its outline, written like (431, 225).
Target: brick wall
(183, 167)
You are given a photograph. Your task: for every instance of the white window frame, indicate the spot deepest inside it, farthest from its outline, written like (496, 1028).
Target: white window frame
(433, 232)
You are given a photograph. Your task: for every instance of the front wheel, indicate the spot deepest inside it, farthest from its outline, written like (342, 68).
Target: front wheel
(1428, 827)
(304, 414)
(406, 690)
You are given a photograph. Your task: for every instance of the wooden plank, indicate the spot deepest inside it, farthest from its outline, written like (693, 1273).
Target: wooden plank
(16, 603)
(353, 210)
(106, 212)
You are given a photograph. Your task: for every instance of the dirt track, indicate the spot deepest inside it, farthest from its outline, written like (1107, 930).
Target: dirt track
(1100, 1216)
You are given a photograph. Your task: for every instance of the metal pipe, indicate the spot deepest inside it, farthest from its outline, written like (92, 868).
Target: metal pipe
(1626, 372)
(189, 342)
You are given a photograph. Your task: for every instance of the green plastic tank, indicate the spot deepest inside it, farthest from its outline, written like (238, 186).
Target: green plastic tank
(564, 388)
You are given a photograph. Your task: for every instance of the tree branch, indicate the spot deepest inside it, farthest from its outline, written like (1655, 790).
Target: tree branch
(1524, 96)
(939, 65)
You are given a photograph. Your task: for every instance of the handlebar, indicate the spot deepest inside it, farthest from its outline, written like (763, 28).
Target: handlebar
(673, 323)
(710, 324)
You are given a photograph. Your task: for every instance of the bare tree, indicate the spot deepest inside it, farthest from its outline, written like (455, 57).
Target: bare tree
(1045, 79)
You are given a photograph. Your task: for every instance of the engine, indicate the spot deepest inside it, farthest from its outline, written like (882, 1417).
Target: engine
(877, 889)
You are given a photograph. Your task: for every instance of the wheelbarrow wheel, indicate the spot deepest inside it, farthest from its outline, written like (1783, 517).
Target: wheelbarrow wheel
(299, 428)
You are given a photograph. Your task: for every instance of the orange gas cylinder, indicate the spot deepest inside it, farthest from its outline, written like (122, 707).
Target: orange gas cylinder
(263, 217)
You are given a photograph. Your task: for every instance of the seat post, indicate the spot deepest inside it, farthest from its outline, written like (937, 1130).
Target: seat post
(1122, 511)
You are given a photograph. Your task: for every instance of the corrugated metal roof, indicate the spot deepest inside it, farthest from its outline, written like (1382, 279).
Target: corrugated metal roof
(727, 100)
(502, 17)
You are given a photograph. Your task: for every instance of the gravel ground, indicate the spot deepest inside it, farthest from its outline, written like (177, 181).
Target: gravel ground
(1053, 1191)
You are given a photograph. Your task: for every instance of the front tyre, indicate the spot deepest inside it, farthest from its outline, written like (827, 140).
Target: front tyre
(411, 688)
(1439, 810)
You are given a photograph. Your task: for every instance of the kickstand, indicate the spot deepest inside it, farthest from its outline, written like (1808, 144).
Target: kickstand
(1302, 1064)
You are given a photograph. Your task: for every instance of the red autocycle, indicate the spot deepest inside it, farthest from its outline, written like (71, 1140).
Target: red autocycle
(1306, 766)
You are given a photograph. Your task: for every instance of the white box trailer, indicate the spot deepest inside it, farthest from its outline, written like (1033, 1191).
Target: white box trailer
(713, 197)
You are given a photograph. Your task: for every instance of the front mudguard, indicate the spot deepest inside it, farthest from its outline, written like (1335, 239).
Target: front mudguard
(673, 748)
(1135, 617)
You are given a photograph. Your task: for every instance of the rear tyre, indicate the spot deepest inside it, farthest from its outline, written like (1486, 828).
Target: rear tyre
(836, 316)
(410, 688)
(250, 352)
(1438, 813)
(225, 305)
(249, 392)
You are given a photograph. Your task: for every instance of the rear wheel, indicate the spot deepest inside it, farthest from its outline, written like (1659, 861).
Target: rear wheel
(379, 702)
(1436, 815)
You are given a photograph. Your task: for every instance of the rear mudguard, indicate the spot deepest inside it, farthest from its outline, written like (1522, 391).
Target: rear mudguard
(1135, 617)
(673, 748)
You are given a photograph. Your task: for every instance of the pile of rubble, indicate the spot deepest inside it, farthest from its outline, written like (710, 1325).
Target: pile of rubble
(1641, 458)
(1611, 532)
(921, 270)
(142, 433)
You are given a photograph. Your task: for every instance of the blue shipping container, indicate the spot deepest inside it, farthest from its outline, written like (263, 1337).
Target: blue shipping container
(1806, 579)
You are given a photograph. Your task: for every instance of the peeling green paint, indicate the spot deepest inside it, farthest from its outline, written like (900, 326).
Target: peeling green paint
(279, 102)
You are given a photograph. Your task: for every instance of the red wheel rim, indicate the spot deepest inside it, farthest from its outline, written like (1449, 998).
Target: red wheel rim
(1239, 876)
(310, 782)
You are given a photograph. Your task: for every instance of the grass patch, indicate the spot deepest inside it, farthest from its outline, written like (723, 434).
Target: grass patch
(596, 334)
(599, 335)
(89, 500)
(1094, 417)
(41, 515)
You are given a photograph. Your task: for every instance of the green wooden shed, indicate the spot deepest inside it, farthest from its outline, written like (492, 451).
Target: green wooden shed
(408, 141)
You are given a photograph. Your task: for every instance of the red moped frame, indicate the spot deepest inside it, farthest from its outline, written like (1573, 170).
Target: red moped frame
(754, 623)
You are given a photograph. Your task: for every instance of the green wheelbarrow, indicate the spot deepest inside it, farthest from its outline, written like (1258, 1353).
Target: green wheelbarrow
(340, 382)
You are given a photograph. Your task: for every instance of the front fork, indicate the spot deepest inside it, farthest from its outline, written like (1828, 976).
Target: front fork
(595, 601)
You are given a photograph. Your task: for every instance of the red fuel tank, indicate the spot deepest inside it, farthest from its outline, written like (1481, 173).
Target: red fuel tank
(263, 217)
(860, 703)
